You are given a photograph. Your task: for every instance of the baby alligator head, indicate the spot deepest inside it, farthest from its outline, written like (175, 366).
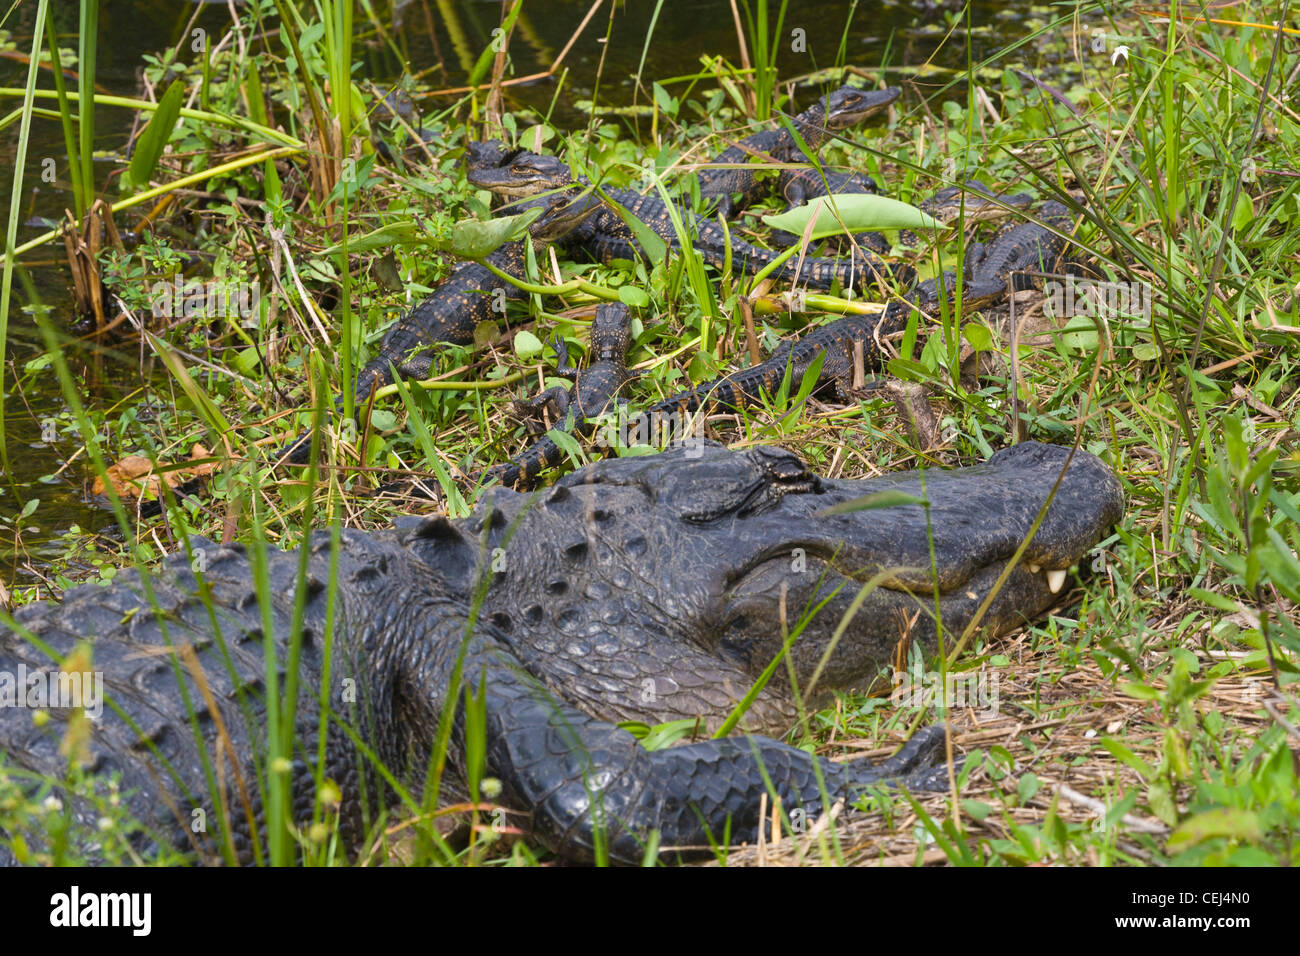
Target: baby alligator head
(521, 173)
(849, 105)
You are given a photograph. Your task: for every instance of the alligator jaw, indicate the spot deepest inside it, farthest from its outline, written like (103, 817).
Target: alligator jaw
(978, 518)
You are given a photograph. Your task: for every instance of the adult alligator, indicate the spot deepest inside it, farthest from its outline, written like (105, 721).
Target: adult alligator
(473, 293)
(843, 108)
(607, 237)
(638, 588)
(575, 409)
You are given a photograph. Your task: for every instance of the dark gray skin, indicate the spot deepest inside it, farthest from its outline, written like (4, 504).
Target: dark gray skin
(637, 588)
(1021, 248)
(837, 342)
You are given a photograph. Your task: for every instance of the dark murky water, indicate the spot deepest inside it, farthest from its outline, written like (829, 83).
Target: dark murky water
(440, 40)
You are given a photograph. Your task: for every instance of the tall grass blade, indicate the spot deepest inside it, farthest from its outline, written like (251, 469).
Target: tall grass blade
(15, 212)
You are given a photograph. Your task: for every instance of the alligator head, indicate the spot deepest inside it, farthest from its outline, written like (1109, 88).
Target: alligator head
(611, 332)
(633, 560)
(849, 105)
(521, 173)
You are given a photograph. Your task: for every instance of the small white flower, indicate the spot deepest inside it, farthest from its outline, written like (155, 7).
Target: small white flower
(105, 823)
(53, 804)
(1121, 52)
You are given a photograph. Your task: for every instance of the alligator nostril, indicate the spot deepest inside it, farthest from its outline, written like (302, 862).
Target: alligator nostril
(558, 587)
(576, 551)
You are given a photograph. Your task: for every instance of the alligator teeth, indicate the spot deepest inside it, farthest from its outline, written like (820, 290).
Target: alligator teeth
(1056, 580)
(1034, 569)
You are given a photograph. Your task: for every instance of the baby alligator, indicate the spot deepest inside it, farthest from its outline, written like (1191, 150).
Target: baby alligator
(592, 394)
(1024, 247)
(606, 237)
(837, 341)
(845, 107)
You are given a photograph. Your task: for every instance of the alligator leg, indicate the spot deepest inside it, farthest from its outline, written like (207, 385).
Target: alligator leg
(554, 401)
(588, 784)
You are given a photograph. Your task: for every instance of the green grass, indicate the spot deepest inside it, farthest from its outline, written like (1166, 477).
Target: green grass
(1168, 699)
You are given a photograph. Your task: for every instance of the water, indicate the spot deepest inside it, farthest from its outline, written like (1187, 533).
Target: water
(440, 39)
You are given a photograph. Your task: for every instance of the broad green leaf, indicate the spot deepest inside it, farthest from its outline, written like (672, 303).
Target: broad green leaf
(1244, 214)
(1027, 786)
(860, 211)
(633, 296)
(527, 345)
(910, 371)
(392, 234)
(475, 238)
(1124, 755)
(149, 147)
(668, 104)
(247, 360)
(979, 337)
(1214, 599)
(1140, 691)
(469, 239)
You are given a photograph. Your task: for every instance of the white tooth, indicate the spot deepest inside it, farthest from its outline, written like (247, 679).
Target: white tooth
(1034, 569)
(1056, 580)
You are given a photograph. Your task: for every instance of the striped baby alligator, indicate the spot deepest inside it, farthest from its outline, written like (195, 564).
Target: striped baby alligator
(987, 272)
(837, 341)
(843, 108)
(606, 237)
(575, 409)
(470, 295)
(1025, 247)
